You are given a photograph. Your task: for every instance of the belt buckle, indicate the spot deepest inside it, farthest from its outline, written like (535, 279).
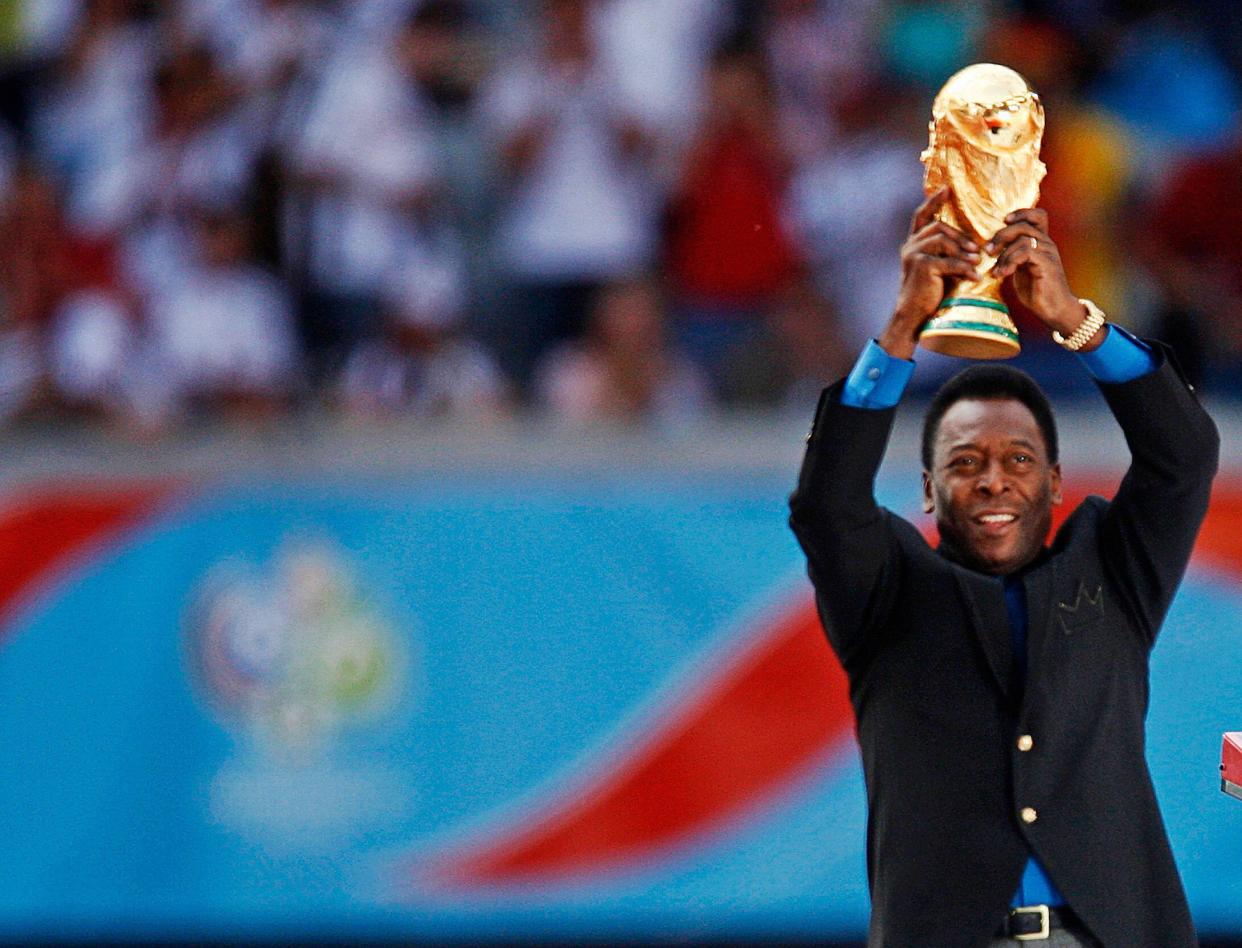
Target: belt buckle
(1045, 925)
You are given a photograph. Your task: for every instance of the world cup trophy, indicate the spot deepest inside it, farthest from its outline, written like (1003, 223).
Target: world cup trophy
(986, 129)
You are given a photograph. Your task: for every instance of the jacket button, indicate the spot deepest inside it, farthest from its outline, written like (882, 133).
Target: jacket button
(1029, 815)
(1026, 742)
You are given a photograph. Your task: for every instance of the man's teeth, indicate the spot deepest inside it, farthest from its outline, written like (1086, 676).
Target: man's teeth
(998, 518)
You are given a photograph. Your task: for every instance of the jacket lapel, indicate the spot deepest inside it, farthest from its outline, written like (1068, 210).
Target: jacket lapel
(985, 601)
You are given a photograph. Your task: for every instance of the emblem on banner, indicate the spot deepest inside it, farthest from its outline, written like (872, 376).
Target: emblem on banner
(294, 652)
(300, 662)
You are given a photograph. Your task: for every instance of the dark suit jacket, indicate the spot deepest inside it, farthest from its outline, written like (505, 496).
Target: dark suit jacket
(926, 645)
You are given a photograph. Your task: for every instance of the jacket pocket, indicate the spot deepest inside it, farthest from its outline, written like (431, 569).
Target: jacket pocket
(1084, 612)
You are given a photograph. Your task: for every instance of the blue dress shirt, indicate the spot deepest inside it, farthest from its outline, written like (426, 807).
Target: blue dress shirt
(878, 381)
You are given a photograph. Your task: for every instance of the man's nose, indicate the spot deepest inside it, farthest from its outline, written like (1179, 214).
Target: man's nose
(991, 479)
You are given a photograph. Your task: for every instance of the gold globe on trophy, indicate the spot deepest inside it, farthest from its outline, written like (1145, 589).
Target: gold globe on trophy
(986, 129)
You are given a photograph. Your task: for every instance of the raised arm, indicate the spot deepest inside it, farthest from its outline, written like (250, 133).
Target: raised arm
(848, 539)
(1149, 528)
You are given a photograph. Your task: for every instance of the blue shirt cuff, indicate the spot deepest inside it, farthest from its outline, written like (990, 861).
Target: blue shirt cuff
(877, 379)
(1119, 358)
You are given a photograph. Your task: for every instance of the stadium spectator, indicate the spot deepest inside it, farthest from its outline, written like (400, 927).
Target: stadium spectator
(1193, 248)
(422, 365)
(728, 251)
(815, 51)
(263, 44)
(95, 110)
(365, 178)
(578, 197)
(850, 204)
(95, 362)
(223, 338)
(657, 53)
(42, 259)
(199, 152)
(624, 368)
(40, 263)
(65, 310)
(442, 54)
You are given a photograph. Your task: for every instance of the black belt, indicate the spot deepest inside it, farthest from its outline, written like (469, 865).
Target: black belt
(1035, 922)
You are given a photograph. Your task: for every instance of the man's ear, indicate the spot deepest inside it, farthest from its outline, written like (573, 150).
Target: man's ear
(929, 494)
(1054, 477)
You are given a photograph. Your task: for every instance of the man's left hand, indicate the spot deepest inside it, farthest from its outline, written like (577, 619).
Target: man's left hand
(1024, 251)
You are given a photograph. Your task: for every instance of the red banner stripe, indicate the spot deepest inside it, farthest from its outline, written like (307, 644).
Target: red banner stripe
(772, 715)
(46, 532)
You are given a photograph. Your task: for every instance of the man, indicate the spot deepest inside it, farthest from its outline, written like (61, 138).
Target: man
(1000, 685)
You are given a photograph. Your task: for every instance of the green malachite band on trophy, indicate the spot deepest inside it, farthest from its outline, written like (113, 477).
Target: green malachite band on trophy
(959, 324)
(969, 301)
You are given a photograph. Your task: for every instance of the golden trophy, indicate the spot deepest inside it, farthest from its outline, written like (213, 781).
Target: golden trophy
(984, 145)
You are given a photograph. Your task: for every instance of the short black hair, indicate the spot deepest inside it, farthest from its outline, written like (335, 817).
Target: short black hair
(990, 381)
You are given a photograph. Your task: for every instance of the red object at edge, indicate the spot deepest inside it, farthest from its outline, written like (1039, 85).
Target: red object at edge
(1231, 764)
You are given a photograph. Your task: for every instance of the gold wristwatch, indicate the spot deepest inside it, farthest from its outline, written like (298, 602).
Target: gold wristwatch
(1086, 330)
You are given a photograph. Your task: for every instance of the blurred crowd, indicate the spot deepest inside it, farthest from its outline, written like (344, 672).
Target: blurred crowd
(593, 209)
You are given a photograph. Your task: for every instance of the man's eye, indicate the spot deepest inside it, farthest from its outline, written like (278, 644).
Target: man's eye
(1022, 458)
(961, 462)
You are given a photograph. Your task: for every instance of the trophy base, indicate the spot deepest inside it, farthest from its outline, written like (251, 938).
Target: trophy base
(971, 329)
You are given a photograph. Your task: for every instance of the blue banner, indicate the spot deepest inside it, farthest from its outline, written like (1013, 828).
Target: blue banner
(525, 709)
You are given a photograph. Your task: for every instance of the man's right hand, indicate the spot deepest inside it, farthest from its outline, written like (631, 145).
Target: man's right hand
(933, 258)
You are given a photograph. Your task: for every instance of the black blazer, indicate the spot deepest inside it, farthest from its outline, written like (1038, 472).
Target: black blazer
(926, 645)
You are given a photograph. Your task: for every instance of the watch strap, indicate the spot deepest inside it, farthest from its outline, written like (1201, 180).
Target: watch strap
(1085, 331)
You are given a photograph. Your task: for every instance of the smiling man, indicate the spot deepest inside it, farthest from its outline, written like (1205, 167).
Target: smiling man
(990, 471)
(1000, 681)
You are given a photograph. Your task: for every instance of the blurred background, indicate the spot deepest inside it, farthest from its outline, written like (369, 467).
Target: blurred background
(398, 401)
